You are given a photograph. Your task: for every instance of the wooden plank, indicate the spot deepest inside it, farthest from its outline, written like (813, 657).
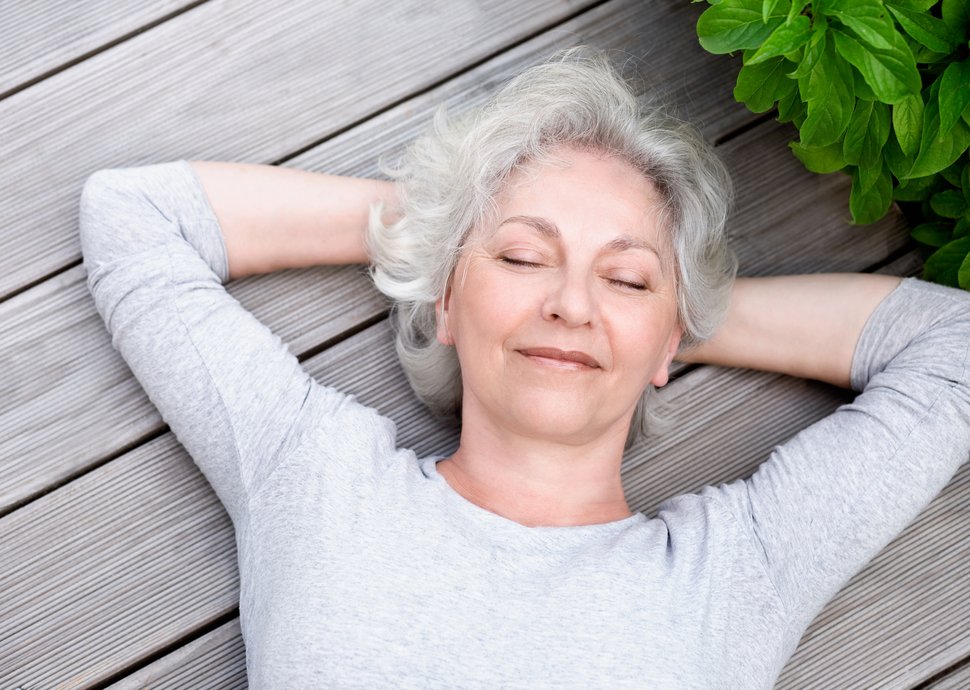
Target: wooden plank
(959, 679)
(110, 569)
(66, 379)
(70, 400)
(215, 660)
(37, 38)
(227, 80)
(688, 81)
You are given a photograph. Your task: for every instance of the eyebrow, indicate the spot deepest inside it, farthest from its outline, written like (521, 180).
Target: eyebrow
(548, 229)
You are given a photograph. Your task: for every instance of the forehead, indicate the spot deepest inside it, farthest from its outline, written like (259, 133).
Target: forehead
(577, 188)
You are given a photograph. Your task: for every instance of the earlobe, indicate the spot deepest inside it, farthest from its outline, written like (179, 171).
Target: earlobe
(662, 376)
(442, 331)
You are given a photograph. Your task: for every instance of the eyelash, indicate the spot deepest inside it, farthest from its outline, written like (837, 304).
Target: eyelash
(519, 262)
(633, 286)
(612, 281)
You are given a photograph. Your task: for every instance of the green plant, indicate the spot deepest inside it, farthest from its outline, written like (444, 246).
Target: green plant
(879, 89)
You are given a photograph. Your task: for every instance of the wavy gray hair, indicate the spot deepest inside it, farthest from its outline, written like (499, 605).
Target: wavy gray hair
(448, 179)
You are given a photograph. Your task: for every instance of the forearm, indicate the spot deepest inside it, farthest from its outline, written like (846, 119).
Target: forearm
(274, 218)
(805, 326)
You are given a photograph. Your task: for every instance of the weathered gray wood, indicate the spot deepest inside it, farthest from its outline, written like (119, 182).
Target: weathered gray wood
(37, 37)
(227, 80)
(959, 679)
(215, 660)
(104, 572)
(688, 81)
(69, 400)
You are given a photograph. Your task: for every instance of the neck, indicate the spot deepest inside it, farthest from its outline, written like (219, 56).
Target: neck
(539, 482)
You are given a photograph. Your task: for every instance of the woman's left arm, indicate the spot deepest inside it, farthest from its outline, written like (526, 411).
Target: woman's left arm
(804, 325)
(825, 502)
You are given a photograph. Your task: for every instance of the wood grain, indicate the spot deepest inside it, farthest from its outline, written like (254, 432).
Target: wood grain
(214, 660)
(38, 38)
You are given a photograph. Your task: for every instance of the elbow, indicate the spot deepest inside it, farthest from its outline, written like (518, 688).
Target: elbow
(100, 198)
(115, 216)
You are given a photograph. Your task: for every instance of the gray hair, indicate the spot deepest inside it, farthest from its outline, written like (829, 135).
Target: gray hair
(448, 179)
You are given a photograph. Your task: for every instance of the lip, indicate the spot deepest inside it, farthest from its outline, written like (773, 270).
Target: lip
(554, 356)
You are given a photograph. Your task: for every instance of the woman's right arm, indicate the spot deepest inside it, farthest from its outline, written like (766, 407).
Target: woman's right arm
(274, 218)
(157, 260)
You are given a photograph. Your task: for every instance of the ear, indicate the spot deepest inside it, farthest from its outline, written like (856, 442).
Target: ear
(441, 306)
(662, 374)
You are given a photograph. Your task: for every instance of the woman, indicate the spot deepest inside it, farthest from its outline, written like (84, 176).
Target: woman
(562, 247)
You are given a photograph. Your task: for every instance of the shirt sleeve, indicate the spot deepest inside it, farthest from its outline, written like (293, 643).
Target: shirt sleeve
(228, 388)
(826, 502)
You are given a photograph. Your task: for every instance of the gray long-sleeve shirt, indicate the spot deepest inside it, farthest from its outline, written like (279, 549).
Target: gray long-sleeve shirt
(361, 567)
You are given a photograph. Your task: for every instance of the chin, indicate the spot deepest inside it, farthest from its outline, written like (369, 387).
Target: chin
(554, 420)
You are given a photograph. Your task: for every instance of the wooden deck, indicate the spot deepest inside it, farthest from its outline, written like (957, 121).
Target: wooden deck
(118, 563)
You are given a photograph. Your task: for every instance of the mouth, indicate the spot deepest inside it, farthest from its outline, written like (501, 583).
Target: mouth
(566, 359)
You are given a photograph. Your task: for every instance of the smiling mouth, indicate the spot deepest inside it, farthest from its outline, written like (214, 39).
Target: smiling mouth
(565, 359)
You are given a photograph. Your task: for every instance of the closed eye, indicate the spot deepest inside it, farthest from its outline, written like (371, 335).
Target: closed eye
(518, 262)
(626, 284)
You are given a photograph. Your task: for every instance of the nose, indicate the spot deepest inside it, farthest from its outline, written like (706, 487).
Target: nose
(570, 300)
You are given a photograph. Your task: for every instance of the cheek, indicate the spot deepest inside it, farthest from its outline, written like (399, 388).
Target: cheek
(483, 309)
(641, 339)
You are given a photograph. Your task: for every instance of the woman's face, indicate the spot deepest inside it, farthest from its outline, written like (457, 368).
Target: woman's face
(566, 309)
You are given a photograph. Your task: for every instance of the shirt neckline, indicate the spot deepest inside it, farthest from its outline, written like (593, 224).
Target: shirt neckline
(499, 525)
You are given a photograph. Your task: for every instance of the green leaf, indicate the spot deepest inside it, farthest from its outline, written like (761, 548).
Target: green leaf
(770, 8)
(908, 123)
(891, 73)
(916, 189)
(862, 89)
(925, 28)
(899, 163)
(819, 159)
(963, 276)
(962, 228)
(866, 134)
(734, 25)
(938, 152)
(948, 204)
(868, 19)
(954, 94)
(956, 14)
(791, 109)
(915, 5)
(925, 56)
(760, 85)
(945, 264)
(965, 182)
(933, 234)
(796, 8)
(811, 53)
(830, 99)
(787, 38)
(952, 174)
(869, 205)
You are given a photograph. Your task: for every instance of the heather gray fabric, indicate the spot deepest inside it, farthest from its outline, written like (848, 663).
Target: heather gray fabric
(361, 567)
